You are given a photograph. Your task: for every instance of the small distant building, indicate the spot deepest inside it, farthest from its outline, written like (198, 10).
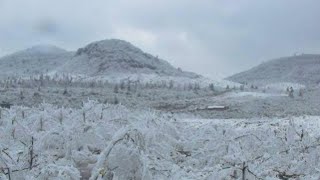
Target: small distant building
(217, 108)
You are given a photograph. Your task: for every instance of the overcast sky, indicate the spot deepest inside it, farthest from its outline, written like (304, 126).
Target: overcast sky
(210, 37)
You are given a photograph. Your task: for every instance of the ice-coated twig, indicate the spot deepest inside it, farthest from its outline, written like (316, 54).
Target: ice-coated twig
(119, 136)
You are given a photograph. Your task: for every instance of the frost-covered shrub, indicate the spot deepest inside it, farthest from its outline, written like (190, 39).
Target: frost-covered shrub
(56, 172)
(121, 143)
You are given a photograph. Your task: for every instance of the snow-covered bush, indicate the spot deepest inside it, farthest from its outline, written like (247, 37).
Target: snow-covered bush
(103, 141)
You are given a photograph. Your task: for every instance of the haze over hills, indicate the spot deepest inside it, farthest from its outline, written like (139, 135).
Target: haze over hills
(302, 69)
(39, 59)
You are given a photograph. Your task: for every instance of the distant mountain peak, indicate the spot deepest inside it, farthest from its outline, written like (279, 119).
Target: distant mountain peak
(38, 59)
(302, 69)
(45, 49)
(110, 59)
(99, 48)
(114, 56)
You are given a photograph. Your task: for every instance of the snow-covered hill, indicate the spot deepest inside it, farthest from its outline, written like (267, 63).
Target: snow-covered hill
(33, 61)
(302, 69)
(115, 60)
(118, 58)
(110, 60)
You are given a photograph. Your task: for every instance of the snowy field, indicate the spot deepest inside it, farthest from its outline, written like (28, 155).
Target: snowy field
(58, 129)
(103, 141)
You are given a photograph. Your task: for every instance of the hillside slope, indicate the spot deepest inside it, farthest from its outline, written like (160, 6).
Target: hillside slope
(110, 60)
(302, 69)
(36, 60)
(118, 58)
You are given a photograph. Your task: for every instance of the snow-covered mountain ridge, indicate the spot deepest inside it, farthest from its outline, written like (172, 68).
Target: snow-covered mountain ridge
(301, 69)
(110, 60)
(36, 60)
(114, 56)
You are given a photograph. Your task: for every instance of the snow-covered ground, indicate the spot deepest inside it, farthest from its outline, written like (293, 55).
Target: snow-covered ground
(113, 142)
(253, 94)
(283, 86)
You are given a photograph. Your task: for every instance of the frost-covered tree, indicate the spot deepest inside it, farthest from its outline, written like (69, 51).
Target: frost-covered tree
(211, 86)
(116, 88)
(301, 93)
(291, 91)
(65, 91)
(21, 95)
(115, 100)
(171, 84)
(241, 87)
(122, 85)
(128, 86)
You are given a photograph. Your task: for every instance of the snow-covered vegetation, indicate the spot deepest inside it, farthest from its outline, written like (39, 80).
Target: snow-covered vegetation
(103, 141)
